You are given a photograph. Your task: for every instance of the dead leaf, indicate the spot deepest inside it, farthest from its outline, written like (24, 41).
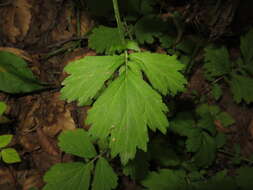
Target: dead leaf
(43, 161)
(23, 16)
(33, 180)
(68, 22)
(47, 144)
(250, 128)
(29, 142)
(16, 25)
(8, 28)
(6, 176)
(64, 122)
(86, 23)
(220, 127)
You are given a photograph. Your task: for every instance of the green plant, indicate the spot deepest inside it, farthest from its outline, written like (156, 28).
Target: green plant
(8, 155)
(15, 76)
(237, 74)
(77, 175)
(126, 88)
(131, 103)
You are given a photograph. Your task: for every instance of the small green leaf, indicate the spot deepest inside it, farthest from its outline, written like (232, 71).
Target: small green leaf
(220, 181)
(220, 140)
(187, 46)
(207, 122)
(10, 155)
(77, 142)
(106, 39)
(216, 91)
(104, 178)
(217, 62)
(147, 28)
(2, 109)
(138, 167)
(207, 151)
(165, 179)
(132, 45)
(5, 140)
(87, 77)
(242, 88)
(194, 140)
(160, 153)
(247, 47)
(225, 119)
(166, 41)
(68, 176)
(245, 178)
(163, 71)
(15, 76)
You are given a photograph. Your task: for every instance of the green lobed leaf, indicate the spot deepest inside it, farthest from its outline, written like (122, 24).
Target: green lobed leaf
(106, 40)
(247, 47)
(162, 71)
(66, 176)
(10, 156)
(5, 140)
(137, 7)
(216, 91)
(15, 76)
(77, 142)
(147, 28)
(166, 41)
(242, 88)
(217, 62)
(183, 124)
(187, 45)
(104, 8)
(164, 155)
(104, 178)
(166, 179)
(244, 178)
(225, 119)
(131, 105)
(248, 68)
(2, 108)
(209, 114)
(87, 77)
(198, 141)
(194, 140)
(207, 122)
(138, 167)
(206, 153)
(219, 181)
(220, 140)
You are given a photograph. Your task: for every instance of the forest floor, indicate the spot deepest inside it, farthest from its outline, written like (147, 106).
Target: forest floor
(44, 33)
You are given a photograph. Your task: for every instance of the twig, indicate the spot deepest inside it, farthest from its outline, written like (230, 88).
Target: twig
(232, 155)
(66, 41)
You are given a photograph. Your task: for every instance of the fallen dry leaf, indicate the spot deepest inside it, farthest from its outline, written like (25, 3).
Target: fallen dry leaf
(23, 15)
(47, 144)
(16, 25)
(64, 122)
(250, 128)
(6, 176)
(68, 22)
(33, 180)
